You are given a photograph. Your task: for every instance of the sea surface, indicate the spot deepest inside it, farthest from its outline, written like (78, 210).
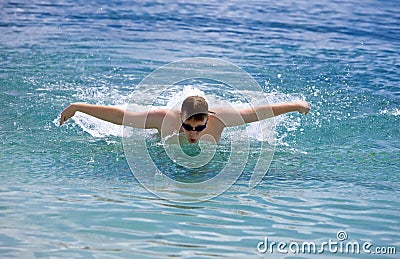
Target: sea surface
(69, 192)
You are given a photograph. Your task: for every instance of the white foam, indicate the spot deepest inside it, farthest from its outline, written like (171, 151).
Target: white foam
(394, 112)
(96, 127)
(176, 100)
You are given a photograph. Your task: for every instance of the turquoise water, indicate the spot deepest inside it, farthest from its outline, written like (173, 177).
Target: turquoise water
(69, 191)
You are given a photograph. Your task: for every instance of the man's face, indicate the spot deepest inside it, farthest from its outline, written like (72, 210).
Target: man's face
(193, 129)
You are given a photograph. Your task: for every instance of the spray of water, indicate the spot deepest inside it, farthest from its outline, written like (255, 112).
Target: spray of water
(173, 99)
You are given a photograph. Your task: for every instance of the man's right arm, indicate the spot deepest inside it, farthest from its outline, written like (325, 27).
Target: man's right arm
(147, 120)
(106, 113)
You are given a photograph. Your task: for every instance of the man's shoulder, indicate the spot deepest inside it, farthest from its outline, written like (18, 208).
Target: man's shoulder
(215, 122)
(164, 112)
(166, 117)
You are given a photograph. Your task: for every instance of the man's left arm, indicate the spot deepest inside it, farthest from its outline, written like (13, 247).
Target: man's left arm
(236, 117)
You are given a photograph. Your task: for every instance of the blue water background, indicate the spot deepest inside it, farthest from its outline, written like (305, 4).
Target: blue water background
(67, 193)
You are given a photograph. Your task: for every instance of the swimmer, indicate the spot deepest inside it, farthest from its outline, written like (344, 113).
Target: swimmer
(194, 118)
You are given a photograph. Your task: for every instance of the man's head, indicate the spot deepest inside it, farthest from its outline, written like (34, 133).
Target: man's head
(194, 116)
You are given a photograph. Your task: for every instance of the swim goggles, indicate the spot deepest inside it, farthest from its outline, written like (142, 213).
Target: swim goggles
(190, 128)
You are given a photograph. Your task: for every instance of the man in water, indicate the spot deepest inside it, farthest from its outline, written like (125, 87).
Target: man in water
(194, 119)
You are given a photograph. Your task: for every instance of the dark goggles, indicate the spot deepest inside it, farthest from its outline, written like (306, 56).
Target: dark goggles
(190, 128)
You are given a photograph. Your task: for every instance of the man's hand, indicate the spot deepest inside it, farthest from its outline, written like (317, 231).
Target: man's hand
(303, 107)
(67, 113)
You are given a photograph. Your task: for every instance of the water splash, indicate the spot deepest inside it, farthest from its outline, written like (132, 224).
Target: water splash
(394, 112)
(259, 131)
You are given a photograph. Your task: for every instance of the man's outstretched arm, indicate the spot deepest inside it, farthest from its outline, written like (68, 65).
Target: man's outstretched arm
(151, 119)
(235, 117)
(264, 111)
(106, 113)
